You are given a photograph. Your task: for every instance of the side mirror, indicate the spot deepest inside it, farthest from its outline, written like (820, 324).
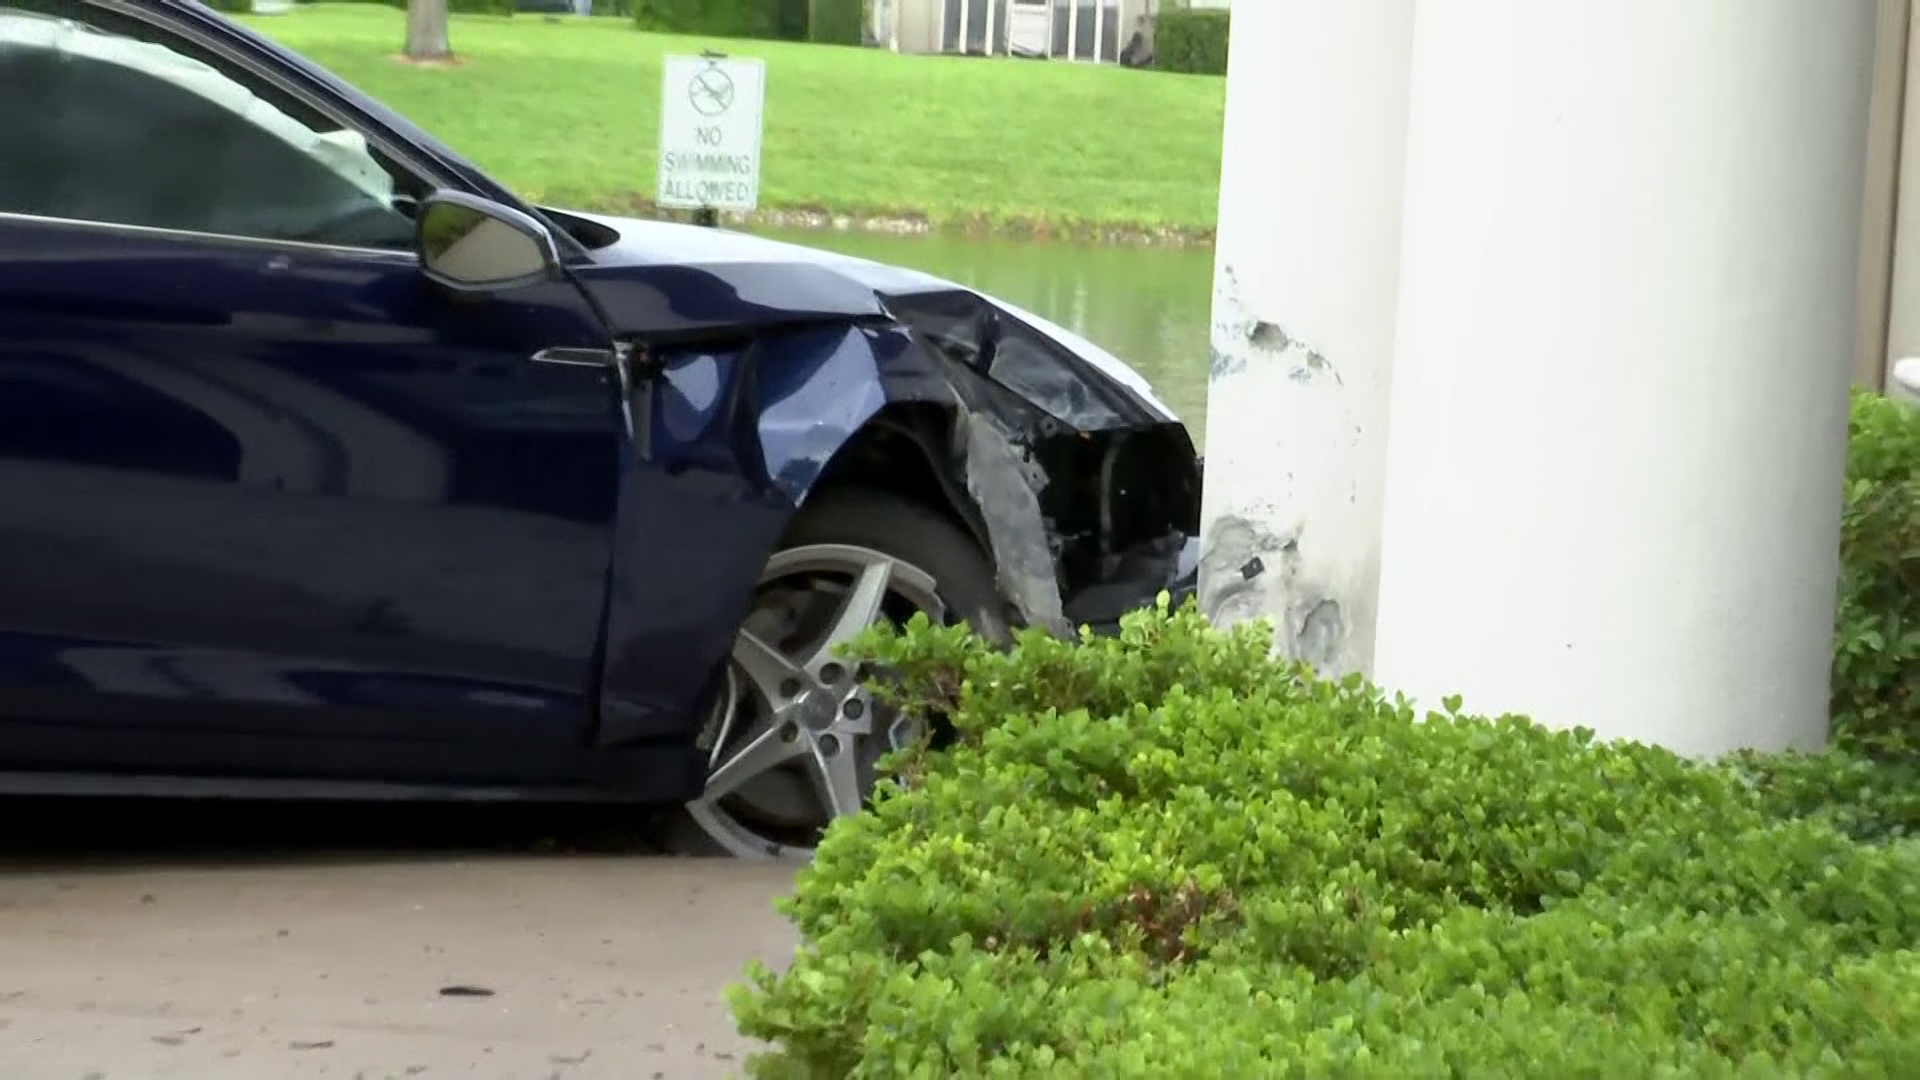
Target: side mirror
(470, 243)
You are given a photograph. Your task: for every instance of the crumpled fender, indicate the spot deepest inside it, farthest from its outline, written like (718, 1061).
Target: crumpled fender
(730, 442)
(1003, 486)
(811, 408)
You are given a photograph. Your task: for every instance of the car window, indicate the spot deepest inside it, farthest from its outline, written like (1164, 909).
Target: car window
(110, 120)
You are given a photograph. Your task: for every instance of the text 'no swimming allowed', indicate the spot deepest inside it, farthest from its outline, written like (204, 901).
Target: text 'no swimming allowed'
(710, 126)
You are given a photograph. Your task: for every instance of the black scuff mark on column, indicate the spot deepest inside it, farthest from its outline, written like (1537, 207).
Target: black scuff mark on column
(1267, 337)
(1248, 571)
(1239, 338)
(1237, 558)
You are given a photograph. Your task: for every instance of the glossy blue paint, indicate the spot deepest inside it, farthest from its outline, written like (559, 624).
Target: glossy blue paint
(735, 440)
(827, 388)
(693, 300)
(295, 491)
(273, 509)
(301, 493)
(697, 521)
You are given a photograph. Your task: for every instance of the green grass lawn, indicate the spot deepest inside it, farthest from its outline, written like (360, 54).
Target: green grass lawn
(568, 111)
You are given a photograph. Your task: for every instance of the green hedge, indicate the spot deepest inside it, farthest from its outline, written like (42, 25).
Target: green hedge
(1168, 855)
(1191, 41)
(1876, 670)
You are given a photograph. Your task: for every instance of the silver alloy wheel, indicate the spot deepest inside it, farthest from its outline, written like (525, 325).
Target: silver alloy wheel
(791, 743)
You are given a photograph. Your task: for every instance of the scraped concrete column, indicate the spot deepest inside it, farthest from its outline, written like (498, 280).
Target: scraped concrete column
(1305, 273)
(1618, 418)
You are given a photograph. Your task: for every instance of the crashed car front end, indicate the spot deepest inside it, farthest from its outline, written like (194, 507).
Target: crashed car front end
(1109, 471)
(778, 372)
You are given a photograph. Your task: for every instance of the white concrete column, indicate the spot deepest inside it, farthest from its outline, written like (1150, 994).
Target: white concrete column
(1878, 212)
(1903, 308)
(1305, 273)
(1618, 420)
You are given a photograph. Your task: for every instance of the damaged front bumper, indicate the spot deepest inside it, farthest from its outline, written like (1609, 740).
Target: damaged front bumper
(1102, 608)
(1178, 577)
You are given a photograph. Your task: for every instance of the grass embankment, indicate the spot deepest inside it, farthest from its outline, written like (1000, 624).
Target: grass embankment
(568, 111)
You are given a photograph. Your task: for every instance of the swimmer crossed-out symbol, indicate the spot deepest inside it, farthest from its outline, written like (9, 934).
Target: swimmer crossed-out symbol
(711, 92)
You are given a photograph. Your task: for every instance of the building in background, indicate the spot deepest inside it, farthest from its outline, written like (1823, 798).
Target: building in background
(1088, 30)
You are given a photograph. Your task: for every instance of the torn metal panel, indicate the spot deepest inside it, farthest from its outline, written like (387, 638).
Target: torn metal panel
(1004, 484)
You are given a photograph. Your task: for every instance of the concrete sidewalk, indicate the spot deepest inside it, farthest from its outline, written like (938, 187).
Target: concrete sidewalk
(605, 967)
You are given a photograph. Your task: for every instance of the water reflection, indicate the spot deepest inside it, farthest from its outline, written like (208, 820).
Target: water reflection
(1147, 305)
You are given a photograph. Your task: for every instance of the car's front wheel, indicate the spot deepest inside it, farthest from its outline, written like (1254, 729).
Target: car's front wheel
(793, 741)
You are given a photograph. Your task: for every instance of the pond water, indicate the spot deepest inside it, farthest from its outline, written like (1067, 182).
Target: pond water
(1147, 305)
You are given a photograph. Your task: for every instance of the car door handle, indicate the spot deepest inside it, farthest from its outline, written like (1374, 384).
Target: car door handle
(573, 357)
(619, 358)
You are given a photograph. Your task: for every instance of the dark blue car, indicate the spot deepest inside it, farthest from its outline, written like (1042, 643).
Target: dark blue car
(331, 468)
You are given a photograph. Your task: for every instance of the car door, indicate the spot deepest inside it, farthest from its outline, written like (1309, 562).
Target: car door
(270, 501)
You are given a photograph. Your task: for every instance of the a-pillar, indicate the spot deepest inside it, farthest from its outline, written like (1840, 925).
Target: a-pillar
(1618, 408)
(1305, 273)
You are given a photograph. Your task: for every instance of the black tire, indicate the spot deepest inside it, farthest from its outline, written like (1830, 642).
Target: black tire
(907, 532)
(914, 534)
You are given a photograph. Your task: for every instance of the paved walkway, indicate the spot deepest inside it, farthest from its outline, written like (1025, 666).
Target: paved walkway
(604, 967)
